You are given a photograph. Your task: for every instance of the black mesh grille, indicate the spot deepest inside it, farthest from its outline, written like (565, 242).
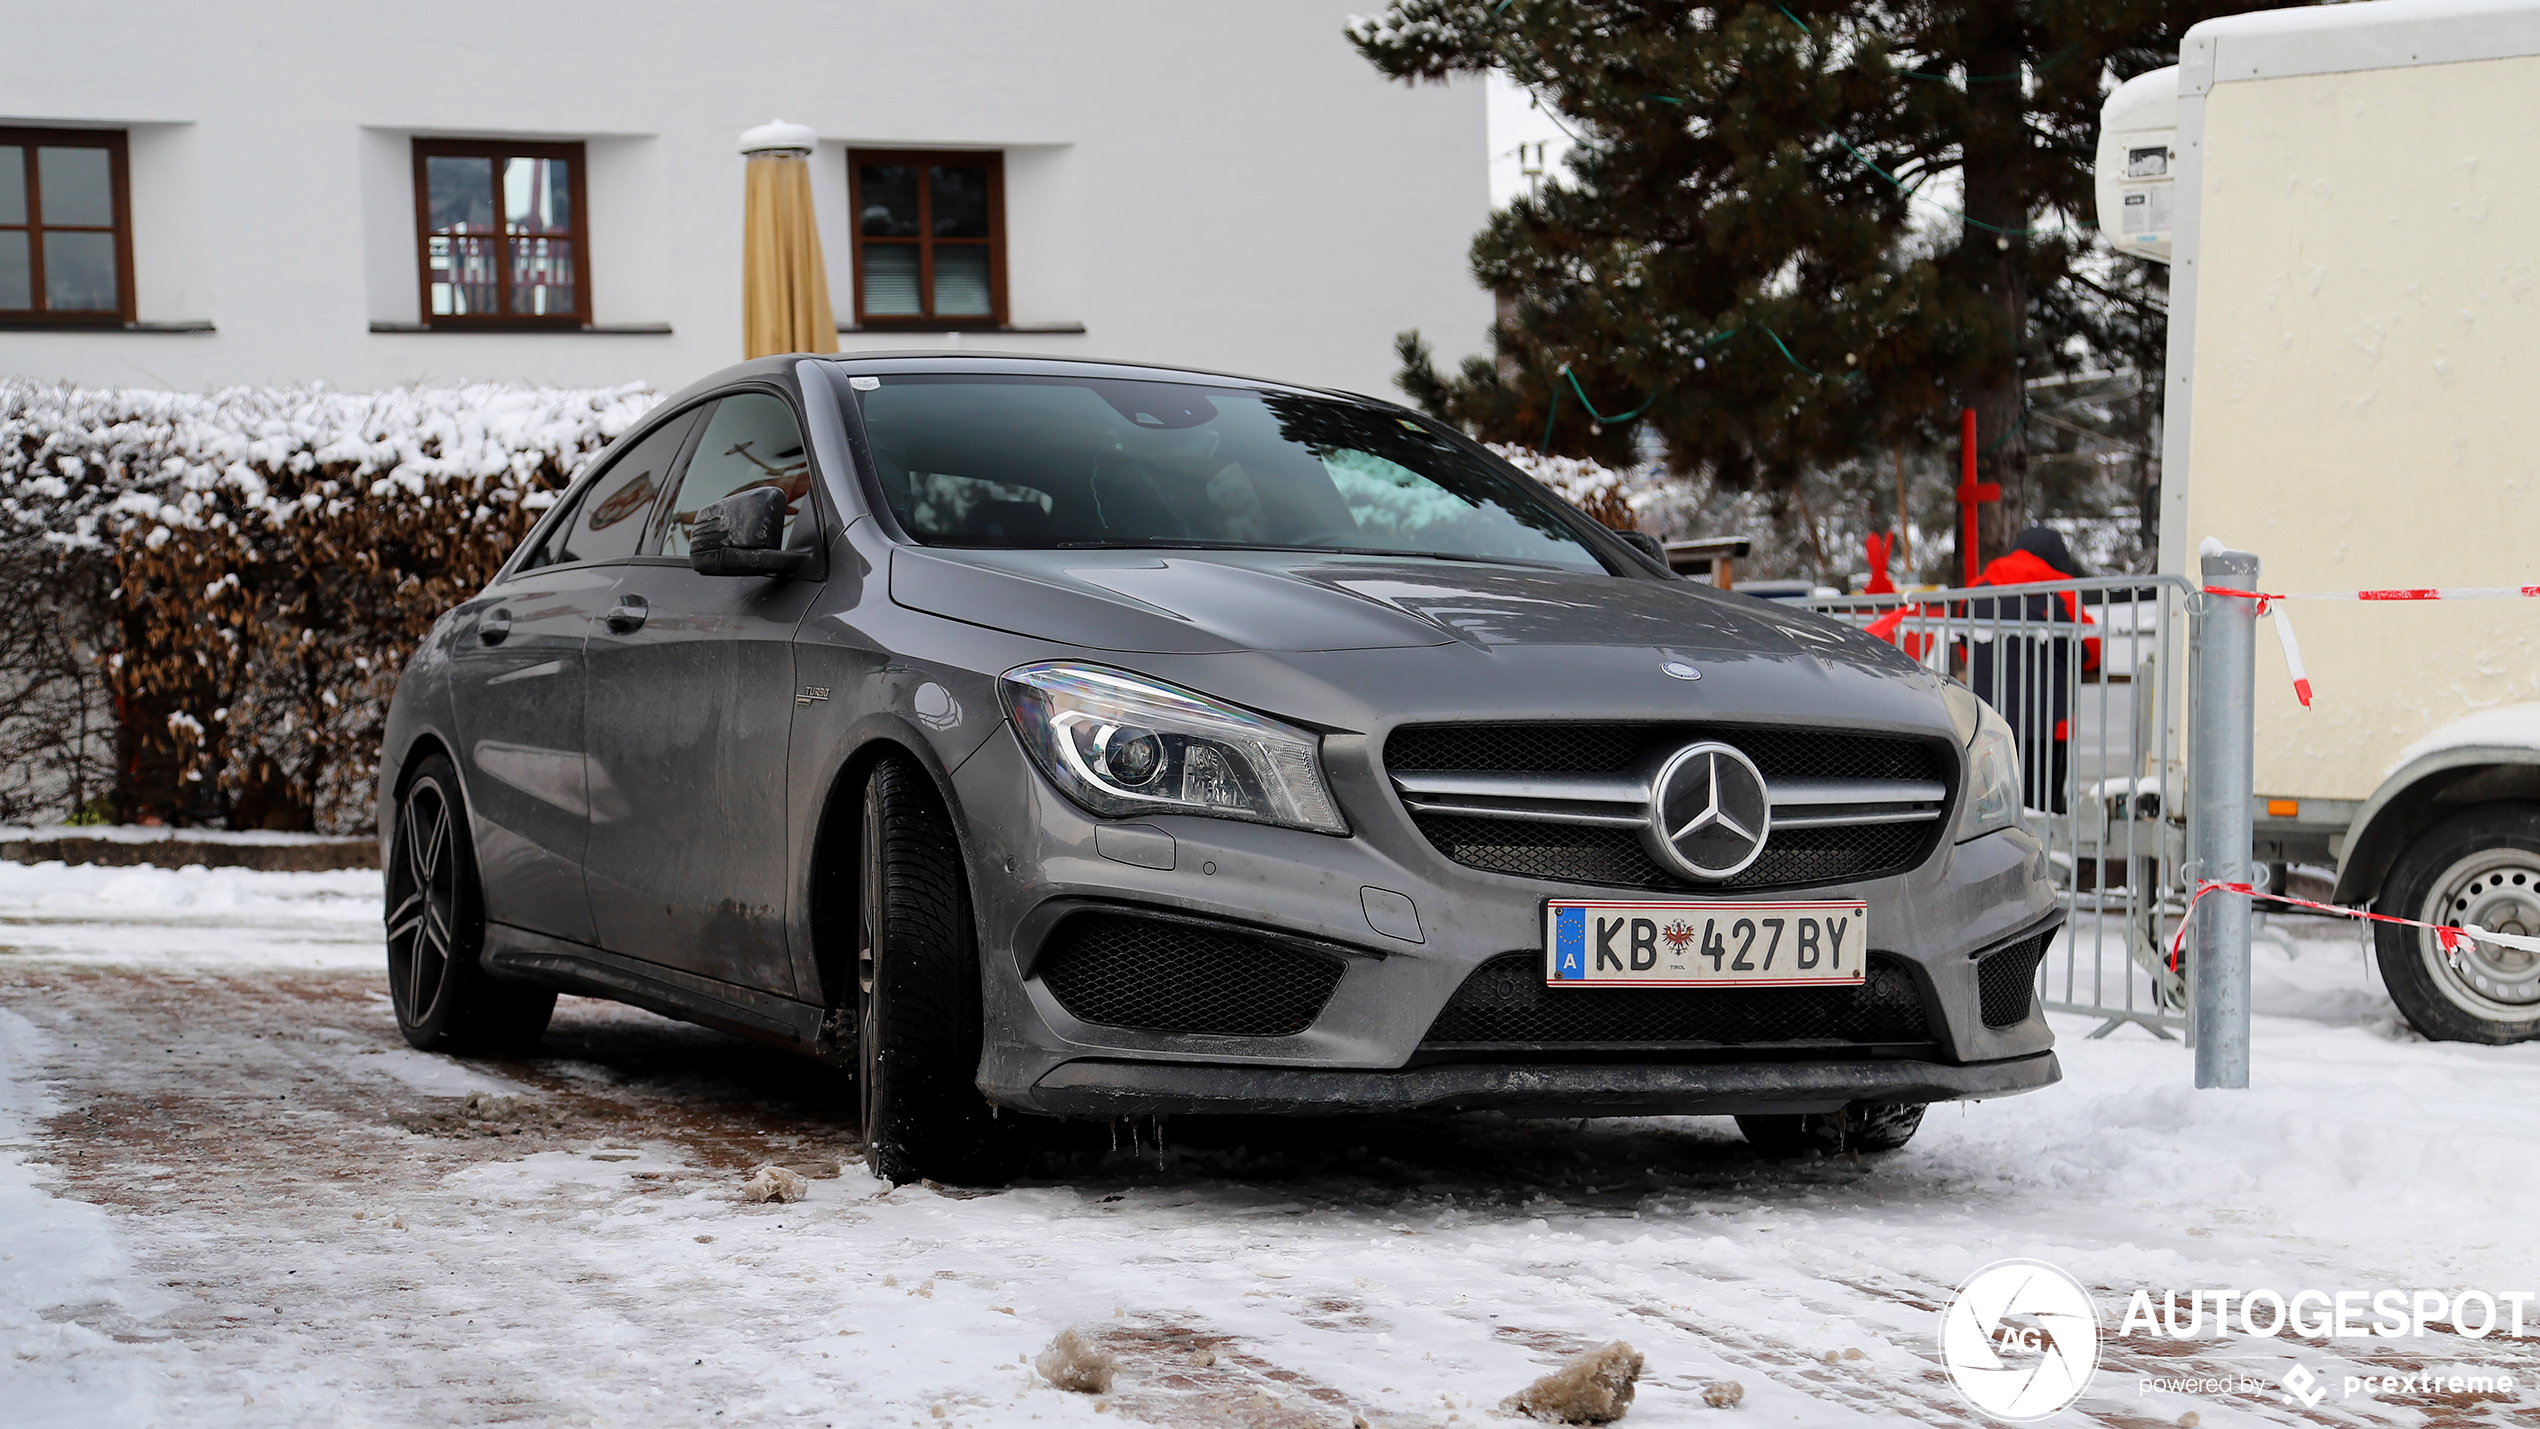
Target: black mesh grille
(1505, 1003)
(2007, 980)
(1159, 976)
(1583, 853)
(1575, 853)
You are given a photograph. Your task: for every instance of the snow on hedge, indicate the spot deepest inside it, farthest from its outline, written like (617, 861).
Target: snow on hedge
(1599, 490)
(72, 458)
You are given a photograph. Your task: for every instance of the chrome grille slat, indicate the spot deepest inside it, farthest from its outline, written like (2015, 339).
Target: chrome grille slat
(1621, 801)
(1527, 813)
(1856, 791)
(1847, 820)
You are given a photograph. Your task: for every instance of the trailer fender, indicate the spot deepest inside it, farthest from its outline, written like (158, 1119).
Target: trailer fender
(2422, 790)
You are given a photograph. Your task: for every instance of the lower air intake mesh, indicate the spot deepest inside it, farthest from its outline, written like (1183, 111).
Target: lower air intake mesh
(1121, 970)
(2007, 981)
(1504, 1003)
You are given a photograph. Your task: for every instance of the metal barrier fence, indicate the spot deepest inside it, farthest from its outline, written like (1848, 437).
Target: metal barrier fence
(2089, 673)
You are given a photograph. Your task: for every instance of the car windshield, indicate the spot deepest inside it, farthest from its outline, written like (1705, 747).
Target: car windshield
(1053, 463)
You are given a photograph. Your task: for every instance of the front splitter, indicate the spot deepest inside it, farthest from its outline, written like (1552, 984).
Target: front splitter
(1106, 1088)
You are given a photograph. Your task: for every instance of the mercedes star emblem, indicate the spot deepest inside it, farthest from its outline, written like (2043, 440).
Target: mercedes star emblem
(1709, 812)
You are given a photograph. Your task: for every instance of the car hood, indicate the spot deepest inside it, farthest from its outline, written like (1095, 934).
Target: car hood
(1199, 603)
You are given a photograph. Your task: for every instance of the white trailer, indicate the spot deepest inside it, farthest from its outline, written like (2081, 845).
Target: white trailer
(2347, 197)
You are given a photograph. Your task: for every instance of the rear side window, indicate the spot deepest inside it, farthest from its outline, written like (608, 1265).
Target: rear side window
(609, 518)
(751, 440)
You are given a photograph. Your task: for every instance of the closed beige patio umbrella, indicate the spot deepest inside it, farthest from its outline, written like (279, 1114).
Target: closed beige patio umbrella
(784, 283)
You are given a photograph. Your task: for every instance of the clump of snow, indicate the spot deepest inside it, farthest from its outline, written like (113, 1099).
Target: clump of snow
(1073, 1362)
(1592, 1388)
(1724, 1394)
(775, 1183)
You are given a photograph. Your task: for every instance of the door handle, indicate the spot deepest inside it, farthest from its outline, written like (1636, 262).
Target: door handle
(494, 625)
(627, 616)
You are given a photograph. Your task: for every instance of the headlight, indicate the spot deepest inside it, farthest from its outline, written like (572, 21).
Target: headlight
(1993, 764)
(1119, 743)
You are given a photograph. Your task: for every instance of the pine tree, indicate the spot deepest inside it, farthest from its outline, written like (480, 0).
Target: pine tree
(1791, 234)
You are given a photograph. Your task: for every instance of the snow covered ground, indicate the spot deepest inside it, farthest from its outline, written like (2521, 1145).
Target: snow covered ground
(230, 1195)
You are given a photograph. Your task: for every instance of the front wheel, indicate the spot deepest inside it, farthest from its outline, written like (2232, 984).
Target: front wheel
(444, 1000)
(1861, 1126)
(2480, 866)
(917, 992)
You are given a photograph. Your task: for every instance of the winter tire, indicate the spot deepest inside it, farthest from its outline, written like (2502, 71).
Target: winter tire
(445, 1001)
(1862, 1126)
(917, 992)
(2480, 866)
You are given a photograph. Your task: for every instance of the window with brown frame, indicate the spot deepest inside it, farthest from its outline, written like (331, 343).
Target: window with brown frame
(929, 238)
(502, 234)
(65, 227)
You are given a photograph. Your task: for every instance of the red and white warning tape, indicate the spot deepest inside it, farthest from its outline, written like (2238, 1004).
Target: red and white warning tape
(2451, 938)
(2284, 623)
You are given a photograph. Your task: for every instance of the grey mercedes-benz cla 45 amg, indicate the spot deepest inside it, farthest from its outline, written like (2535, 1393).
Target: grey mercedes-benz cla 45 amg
(1060, 739)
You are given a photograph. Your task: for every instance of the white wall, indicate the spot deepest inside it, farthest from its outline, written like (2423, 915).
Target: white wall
(1224, 186)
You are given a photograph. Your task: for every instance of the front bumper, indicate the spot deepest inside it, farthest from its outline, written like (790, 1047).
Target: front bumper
(1033, 855)
(1107, 1088)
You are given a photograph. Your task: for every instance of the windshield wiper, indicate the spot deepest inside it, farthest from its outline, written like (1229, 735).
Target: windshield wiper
(1181, 543)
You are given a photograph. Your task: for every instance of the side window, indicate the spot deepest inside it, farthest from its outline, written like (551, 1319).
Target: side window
(608, 520)
(751, 440)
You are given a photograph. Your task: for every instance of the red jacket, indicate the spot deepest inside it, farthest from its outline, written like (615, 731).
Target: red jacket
(2025, 568)
(2016, 568)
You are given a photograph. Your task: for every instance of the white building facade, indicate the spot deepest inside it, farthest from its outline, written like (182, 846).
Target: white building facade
(370, 195)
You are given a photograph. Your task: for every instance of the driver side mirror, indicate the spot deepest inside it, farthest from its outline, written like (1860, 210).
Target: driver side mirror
(741, 535)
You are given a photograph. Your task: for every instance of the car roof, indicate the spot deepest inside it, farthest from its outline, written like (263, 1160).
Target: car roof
(884, 364)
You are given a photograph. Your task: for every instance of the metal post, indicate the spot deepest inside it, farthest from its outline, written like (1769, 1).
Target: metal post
(2222, 726)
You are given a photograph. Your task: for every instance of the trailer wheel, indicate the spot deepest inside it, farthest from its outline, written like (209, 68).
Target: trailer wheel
(2479, 866)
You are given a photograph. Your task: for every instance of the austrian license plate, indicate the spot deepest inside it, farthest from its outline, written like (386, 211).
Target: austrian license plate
(1594, 943)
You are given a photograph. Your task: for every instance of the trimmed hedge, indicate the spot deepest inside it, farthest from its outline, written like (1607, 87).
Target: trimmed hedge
(239, 576)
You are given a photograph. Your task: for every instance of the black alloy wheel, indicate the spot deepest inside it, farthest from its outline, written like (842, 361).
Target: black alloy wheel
(444, 999)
